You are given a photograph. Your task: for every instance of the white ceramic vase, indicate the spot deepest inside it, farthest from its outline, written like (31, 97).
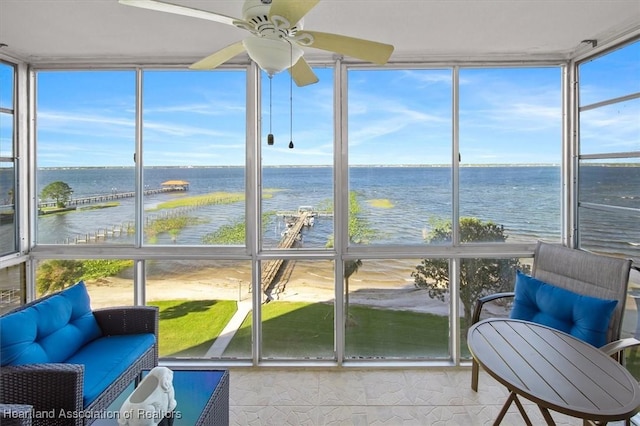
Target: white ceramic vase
(151, 401)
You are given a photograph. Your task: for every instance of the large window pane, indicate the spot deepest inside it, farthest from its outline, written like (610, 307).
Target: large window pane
(391, 314)
(109, 281)
(524, 200)
(6, 133)
(302, 176)
(609, 205)
(194, 127)
(613, 75)
(399, 154)
(297, 321)
(197, 300)
(85, 146)
(12, 287)
(7, 79)
(613, 183)
(631, 317)
(613, 232)
(8, 217)
(611, 128)
(7, 208)
(510, 139)
(480, 277)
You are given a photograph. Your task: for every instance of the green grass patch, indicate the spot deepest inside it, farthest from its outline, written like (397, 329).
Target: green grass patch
(203, 200)
(227, 234)
(56, 210)
(268, 192)
(302, 330)
(100, 206)
(171, 225)
(233, 233)
(381, 203)
(290, 329)
(391, 333)
(100, 268)
(188, 327)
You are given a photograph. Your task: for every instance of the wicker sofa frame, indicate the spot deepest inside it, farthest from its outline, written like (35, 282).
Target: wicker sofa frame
(59, 386)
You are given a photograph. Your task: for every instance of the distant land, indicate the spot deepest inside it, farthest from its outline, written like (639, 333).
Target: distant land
(328, 165)
(352, 166)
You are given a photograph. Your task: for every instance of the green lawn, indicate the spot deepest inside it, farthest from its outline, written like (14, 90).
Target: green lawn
(298, 330)
(390, 333)
(291, 329)
(188, 327)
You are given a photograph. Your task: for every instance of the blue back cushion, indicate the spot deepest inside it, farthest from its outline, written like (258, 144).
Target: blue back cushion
(584, 317)
(48, 331)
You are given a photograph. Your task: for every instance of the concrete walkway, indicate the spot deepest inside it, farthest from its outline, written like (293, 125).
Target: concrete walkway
(220, 344)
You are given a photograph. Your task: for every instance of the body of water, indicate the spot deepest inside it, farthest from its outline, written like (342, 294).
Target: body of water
(400, 204)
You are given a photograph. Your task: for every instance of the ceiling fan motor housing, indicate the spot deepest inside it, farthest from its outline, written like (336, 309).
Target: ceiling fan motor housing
(256, 13)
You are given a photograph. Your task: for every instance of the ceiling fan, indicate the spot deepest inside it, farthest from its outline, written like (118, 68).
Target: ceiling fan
(276, 38)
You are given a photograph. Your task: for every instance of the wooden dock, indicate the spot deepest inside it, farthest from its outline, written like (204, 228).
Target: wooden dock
(272, 268)
(102, 234)
(101, 198)
(295, 213)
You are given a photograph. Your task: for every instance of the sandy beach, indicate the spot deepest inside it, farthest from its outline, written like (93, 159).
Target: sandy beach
(383, 284)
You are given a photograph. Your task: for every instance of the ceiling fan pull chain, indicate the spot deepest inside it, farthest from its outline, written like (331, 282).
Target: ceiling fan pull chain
(291, 101)
(270, 135)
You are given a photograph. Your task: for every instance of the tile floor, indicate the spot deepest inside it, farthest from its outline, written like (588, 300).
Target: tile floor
(371, 397)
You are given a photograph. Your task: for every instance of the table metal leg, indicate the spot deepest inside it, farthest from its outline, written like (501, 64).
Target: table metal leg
(547, 416)
(521, 409)
(475, 372)
(505, 407)
(512, 398)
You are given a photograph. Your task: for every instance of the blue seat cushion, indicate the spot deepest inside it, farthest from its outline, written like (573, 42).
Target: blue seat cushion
(106, 358)
(584, 317)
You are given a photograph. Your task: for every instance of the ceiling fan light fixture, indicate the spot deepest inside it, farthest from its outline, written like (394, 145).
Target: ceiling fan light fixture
(272, 55)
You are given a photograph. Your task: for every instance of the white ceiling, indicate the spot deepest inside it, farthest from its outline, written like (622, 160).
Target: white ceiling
(81, 31)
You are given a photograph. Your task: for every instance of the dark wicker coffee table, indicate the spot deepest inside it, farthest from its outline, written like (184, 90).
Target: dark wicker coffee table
(202, 396)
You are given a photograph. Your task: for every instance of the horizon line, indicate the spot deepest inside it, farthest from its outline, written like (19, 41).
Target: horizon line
(321, 166)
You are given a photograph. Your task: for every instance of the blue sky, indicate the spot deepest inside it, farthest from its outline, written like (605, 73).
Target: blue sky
(509, 115)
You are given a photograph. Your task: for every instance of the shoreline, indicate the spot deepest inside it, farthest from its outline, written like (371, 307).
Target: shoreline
(388, 285)
(385, 285)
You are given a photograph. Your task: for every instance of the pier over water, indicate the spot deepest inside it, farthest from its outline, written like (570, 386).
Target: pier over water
(101, 198)
(296, 220)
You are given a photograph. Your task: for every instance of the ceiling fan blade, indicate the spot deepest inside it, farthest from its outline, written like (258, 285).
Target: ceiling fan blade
(370, 51)
(302, 73)
(180, 10)
(219, 58)
(291, 10)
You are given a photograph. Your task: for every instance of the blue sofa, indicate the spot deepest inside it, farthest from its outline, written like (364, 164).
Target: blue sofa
(69, 362)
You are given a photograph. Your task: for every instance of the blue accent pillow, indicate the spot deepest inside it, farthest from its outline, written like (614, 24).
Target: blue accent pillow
(584, 317)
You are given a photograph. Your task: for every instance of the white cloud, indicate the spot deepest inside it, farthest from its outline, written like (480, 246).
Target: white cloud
(206, 109)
